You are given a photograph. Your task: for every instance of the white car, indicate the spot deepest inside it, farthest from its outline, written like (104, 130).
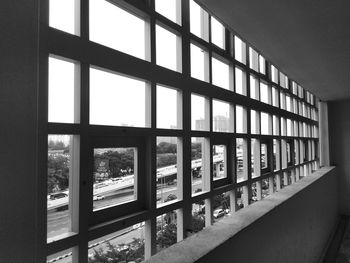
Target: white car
(218, 213)
(98, 197)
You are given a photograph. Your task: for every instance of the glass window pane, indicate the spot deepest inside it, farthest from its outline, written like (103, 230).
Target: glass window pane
(169, 108)
(62, 169)
(199, 21)
(63, 15)
(167, 171)
(111, 94)
(241, 119)
(199, 63)
(253, 59)
(262, 64)
(217, 33)
(199, 113)
(275, 96)
(254, 122)
(219, 162)
(171, 9)
(240, 50)
(64, 256)
(264, 156)
(241, 160)
(254, 87)
(221, 76)
(223, 116)
(265, 123)
(63, 94)
(198, 217)
(126, 245)
(115, 170)
(240, 81)
(119, 29)
(255, 158)
(221, 206)
(166, 230)
(168, 49)
(199, 167)
(274, 74)
(264, 92)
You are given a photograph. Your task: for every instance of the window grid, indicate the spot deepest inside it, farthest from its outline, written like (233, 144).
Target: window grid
(306, 158)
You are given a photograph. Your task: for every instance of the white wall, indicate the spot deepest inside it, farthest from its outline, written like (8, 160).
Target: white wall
(18, 129)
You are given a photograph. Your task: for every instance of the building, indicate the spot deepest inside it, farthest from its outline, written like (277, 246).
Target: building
(308, 42)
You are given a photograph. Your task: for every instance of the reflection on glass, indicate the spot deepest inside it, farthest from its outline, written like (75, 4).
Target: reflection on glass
(223, 116)
(199, 113)
(59, 177)
(113, 101)
(255, 158)
(221, 206)
(221, 74)
(240, 81)
(253, 59)
(169, 108)
(117, 28)
(126, 245)
(264, 156)
(275, 97)
(219, 162)
(166, 230)
(265, 188)
(61, 91)
(254, 87)
(168, 49)
(239, 198)
(62, 15)
(199, 63)
(166, 179)
(114, 176)
(254, 122)
(217, 33)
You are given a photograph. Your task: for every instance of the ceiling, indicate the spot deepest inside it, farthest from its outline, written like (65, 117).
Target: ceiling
(308, 40)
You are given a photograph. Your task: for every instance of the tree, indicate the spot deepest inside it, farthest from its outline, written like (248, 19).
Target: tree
(167, 236)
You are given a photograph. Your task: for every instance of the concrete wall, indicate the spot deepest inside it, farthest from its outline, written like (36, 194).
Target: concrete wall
(339, 136)
(293, 225)
(18, 129)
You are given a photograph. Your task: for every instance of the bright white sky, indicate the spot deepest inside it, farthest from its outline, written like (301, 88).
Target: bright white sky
(112, 96)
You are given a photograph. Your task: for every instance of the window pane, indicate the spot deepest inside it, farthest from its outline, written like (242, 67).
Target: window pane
(240, 81)
(199, 167)
(275, 97)
(169, 108)
(168, 49)
(63, 16)
(274, 74)
(111, 94)
(254, 122)
(167, 169)
(217, 33)
(114, 176)
(119, 29)
(122, 246)
(241, 160)
(265, 123)
(254, 87)
(199, 63)
(199, 21)
(264, 93)
(199, 113)
(223, 116)
(240, 50)
(241, 119)
(198, 217)
(221, 206)
(221, 76)
(264, 156)
(219, 162)
(62, 169)
(253, 59)
(166, 230)
(262, 65)
(62, 91)
(255, 158)
(171, 9)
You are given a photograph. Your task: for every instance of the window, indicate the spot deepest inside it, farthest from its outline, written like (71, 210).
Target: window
(168, 49)
(117, 28)
(124, 108)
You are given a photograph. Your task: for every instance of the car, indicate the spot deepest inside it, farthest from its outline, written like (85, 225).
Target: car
(57, 196)
(138, 225)
(218, 213)
(98, 197)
